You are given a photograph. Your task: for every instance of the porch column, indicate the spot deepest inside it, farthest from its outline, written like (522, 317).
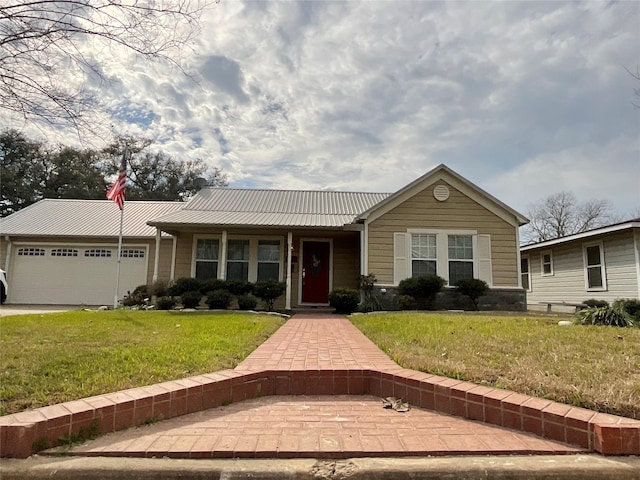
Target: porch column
(288, 267)
(174, 251)
(223, 257)
(156, 260)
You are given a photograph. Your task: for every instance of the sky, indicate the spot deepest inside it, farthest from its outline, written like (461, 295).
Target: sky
(524, 99)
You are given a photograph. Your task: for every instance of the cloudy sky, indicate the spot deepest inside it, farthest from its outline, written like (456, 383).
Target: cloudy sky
(525, 99)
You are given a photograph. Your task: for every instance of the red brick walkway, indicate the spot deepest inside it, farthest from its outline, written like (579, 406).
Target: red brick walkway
(336, 426)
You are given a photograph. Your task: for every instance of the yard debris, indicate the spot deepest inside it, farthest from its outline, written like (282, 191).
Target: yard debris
(397, 404)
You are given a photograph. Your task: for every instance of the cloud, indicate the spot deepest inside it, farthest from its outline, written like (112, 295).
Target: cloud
(522, 98)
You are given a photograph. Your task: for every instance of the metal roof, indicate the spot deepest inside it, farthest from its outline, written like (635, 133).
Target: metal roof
(85, 218)
(285, 208)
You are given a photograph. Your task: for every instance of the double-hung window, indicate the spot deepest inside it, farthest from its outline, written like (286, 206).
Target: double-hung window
(594, 267)
(524, 272)
(238, 260)
(546, 260)
(423, 254)
(460, 258)
(268, 260)
(207, 258)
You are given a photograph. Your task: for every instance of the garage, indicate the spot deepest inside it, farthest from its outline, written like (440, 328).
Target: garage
(74, 274)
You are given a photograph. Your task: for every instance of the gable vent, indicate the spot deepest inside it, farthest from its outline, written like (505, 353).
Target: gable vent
(441, 193)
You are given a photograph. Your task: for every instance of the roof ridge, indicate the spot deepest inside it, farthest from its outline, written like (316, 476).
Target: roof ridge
(294, 190)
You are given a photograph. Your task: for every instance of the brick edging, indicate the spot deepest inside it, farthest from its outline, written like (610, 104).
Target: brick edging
(25, 433)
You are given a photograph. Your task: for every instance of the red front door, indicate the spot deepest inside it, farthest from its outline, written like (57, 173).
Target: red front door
(315, 272)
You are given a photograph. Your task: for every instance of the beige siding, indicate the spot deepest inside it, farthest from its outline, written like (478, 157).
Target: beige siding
(458, 212)
(346, 255)
(568, 280)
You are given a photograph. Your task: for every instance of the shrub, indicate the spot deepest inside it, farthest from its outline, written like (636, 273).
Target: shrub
(219, 299)
(211, 285)
(631, 306)
(183, 285)
(405, 302)
(158, 288)
(370, 302)
(268, 291)
(247, 302)
(473, 288)
(611, 316)
(422, 289)
(344, 300)
(191, 299)
(239, 287)
(139, 296)
(595, 303)
(165, 303)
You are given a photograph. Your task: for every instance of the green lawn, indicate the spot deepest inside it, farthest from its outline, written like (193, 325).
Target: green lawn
(592, 367)
(52, 358)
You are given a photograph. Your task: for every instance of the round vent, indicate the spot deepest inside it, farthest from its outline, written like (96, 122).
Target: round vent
(441, 193)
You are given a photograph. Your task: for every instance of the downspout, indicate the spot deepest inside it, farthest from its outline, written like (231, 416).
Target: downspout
(518, 259)
(223, 257)
(288, 278)
(156, 260)
(7, 262)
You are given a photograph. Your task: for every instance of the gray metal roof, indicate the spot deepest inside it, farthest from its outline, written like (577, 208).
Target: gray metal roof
(285, 208)
(85, 218)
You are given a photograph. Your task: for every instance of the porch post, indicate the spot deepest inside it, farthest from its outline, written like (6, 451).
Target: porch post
(288, 277)
(156, 259)
(174, 252)
(223, 257)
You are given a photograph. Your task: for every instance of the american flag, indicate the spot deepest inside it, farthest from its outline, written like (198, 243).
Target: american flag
(116, 192)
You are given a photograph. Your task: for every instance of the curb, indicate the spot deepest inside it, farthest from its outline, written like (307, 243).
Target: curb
(575, 467)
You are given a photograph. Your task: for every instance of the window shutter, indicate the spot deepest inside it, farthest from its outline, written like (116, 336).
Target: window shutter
(400, 262)
(484, 259)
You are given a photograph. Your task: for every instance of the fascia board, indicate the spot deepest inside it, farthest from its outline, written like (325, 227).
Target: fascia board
(581, 236)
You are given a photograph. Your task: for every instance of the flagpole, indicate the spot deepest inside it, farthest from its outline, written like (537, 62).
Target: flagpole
(115, 298)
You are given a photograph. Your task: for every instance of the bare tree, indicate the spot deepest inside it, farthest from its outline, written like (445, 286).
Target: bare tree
(39, 40)
(561, 214)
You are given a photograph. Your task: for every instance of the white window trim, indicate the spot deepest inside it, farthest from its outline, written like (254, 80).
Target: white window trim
(542, 254)
(442, 250)
(603, 269)
(528, 259)
(253, 253)
(194, 252)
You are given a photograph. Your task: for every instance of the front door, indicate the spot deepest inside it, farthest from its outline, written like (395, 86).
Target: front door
(315, 272)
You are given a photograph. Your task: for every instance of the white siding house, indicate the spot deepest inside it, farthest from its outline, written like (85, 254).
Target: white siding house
(603, 264)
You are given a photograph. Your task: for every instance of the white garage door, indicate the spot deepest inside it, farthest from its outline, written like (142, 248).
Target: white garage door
(74, 274)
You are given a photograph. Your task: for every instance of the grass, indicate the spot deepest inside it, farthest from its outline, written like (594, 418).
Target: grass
(52, 358)
(588, 366)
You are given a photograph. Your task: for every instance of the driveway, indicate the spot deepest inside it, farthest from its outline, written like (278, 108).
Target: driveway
(6, 310)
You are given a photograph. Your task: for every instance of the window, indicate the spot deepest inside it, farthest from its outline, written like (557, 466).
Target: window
(547, 263)
(238, 260)
(268, 260)
(594, 267)
(524, 272)
(207, 258)
(64, 252)
(31, 252)
(460, 258)
(132, 254)
(423, 254)
(97, 252)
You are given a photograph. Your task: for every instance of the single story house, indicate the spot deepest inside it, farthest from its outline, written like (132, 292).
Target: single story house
(603, 263)
(314, 241)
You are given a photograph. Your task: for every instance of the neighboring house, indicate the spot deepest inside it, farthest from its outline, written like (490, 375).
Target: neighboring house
(603, 263)
(316, 241)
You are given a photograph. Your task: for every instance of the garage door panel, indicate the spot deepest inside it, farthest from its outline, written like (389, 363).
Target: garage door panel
(88, 278)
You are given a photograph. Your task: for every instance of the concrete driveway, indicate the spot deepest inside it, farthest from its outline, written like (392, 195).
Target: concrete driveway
(9, 309)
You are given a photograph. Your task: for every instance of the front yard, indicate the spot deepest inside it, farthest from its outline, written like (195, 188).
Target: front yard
(54, 358)
(592, 367)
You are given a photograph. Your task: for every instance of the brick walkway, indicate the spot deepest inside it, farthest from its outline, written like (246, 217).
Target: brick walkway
(319, 426)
